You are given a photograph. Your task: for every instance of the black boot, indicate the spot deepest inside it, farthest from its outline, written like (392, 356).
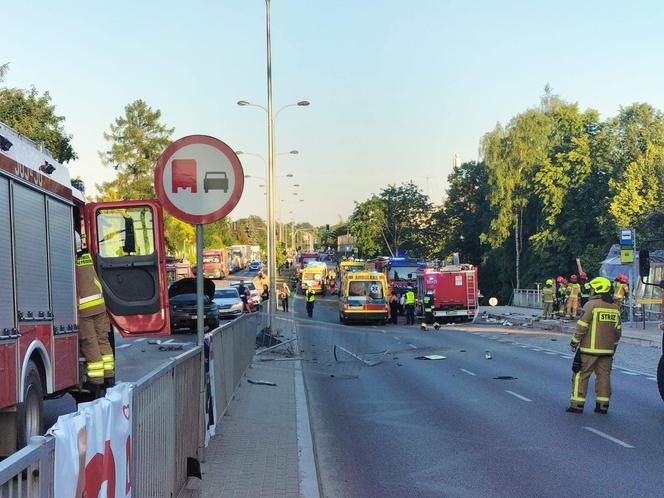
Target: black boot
(601, 409)
(574, 409)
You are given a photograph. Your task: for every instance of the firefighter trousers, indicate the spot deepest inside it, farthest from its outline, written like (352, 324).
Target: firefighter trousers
(95, 347)
(572, 307)
(601, 366)
(548, 310)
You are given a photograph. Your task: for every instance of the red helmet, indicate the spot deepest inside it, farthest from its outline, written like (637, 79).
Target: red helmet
(573, 278)
(622, 278)
(560, 280)
(584, 275)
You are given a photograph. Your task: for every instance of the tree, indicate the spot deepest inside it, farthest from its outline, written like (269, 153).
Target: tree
(367, 226)
(33, 115)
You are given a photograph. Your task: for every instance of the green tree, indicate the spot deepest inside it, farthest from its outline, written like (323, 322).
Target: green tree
(367, 225)
(33, 115)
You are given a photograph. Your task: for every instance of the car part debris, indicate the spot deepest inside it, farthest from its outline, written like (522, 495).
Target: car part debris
(487, 355)
(431, 357)
(170, 347)
(505, 377)
(261, 382)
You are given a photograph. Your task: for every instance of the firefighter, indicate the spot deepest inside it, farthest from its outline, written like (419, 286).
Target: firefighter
(310, 298)
(561, 296)
(410, 306)
(547, 296)
(596, 338)
(620, 289)
(573, 293)
(585, 289)
(93, 323)
(427, 307)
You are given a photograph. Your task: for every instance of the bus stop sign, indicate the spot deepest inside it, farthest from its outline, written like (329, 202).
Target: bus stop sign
(199, 179)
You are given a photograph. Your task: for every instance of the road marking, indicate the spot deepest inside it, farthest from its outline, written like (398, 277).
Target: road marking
(549, 352)
(566, 356)
(139, 339)
(468, 372)
(168, 341)
(652, 378)
(122, 346)
(522, 398)
(536, 349)
(395, 337)
(412, 345)
(627, 372)
(524, 346)
(609, 438)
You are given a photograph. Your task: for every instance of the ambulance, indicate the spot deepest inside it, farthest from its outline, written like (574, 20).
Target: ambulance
(363, 297)
(313, 277)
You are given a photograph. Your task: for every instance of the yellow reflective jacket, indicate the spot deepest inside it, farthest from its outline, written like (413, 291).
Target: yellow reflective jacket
(547, 294)
(598, 330)
(573, 290)
(88, 288)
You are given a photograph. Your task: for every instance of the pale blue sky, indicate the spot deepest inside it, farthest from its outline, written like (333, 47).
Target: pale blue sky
(396, 87)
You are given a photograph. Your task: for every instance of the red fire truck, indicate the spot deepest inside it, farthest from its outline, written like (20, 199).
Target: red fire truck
(454, 291)
(39, 212)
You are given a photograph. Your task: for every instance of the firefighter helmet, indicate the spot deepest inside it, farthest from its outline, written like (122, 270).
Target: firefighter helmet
(600, 285)
(559, 279)
(573, 278)
(549, 281)
(584, 275)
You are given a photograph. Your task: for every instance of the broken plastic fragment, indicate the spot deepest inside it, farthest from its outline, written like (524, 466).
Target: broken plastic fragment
(431, 357)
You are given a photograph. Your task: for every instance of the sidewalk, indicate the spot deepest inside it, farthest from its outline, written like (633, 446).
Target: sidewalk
(631, 333)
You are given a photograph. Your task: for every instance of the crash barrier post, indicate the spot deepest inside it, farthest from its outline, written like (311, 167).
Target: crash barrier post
(527, 298)
(29, 472)
(166, 411)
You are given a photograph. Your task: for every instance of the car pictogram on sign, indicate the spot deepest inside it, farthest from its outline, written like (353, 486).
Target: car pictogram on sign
(215, 180)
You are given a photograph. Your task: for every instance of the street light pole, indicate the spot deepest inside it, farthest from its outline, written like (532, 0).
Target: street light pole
(271, 246)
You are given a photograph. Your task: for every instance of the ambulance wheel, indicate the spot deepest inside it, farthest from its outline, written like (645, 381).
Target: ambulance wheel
(660, 377)
(30, 413)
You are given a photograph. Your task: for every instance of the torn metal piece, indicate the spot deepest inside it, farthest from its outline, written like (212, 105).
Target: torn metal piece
(431, 357)
(261, 382)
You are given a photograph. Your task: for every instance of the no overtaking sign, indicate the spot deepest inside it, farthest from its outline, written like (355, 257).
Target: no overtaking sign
(199, 179)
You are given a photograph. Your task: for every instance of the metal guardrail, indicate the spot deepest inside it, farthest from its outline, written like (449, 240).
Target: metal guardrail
(527, 298)
(166, 413)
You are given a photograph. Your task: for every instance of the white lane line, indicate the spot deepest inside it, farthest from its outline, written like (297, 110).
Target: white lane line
(566, 356)
(627, 372)
(412, 345)
(122, 346)
(536, 349)
(652, 378)
(395, 337)
(140, 339)
(609, 438)
(522, 398)
(168, 341)
(524, 346)
(468, 372)
(550, 352)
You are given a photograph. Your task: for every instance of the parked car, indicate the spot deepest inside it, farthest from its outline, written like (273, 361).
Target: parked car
(254, 295)
(183, 305)
(255, 266)
(229, 302)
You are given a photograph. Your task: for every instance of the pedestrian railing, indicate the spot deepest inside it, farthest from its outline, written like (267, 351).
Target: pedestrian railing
(527, 298)
(29, 472)
(166, 419)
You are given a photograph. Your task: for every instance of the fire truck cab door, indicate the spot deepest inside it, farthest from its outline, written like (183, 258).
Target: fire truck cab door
(126, 239)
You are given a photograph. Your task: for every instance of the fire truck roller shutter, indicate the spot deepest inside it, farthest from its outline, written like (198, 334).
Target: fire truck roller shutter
(61, 258)
(7, 288)
(30, 250)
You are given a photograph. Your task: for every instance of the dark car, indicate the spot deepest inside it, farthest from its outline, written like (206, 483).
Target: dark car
(215, 180)
(183, 305)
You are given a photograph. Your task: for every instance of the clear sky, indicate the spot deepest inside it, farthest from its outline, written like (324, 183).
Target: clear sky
(396, 87)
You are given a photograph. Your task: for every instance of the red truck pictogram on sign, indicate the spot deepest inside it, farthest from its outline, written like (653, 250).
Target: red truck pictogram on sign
(183, 175)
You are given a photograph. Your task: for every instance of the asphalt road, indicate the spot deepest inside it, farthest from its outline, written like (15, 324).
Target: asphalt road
(409, 427)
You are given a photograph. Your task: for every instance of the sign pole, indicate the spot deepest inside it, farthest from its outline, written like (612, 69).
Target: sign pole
(632, 284)
(200, 331)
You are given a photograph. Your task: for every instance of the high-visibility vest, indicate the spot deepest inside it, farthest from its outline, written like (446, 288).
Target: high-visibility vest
(410, 297)
(619, 291)
(88, 288)
(599, 329)
(310, 295)
(426, 303)
(585, 289)
(574, 290)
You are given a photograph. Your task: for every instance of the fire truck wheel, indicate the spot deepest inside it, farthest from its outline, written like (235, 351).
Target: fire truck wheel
(660, 377)
(29, 414)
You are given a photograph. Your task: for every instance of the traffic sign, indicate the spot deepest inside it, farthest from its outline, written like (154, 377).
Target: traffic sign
(199, 179)
(626, 236)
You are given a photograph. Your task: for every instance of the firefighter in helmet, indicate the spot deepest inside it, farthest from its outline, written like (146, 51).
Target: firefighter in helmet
(596, 338)
(427, 309)
(547, 296)
(585, 288)
(573, 294)
(93, 323)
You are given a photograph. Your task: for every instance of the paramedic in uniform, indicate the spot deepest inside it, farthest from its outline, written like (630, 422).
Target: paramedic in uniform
(596, 337)
(93, 323)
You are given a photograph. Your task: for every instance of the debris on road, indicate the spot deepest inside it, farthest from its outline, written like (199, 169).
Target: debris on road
(171, 347)
(431, 357)
(487, 355)
(261, 382)
(505, 377)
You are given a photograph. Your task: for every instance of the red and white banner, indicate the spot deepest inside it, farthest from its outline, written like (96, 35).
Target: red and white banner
(93, 448)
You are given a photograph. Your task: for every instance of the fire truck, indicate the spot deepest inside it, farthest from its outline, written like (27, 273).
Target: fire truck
(454, 291)
(39, 212)
(402, 273)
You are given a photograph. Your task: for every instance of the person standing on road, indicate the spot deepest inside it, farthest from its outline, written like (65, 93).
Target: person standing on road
(585, 289)
(547, 297)
(284, 294)
(93, 323)
(265, 295)
(242, 290)
(596, 338)
(410, 306)
(427, 308)
(394, 307)
(573, 293)
(561, 293)
(310, 298)
(620, 289)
